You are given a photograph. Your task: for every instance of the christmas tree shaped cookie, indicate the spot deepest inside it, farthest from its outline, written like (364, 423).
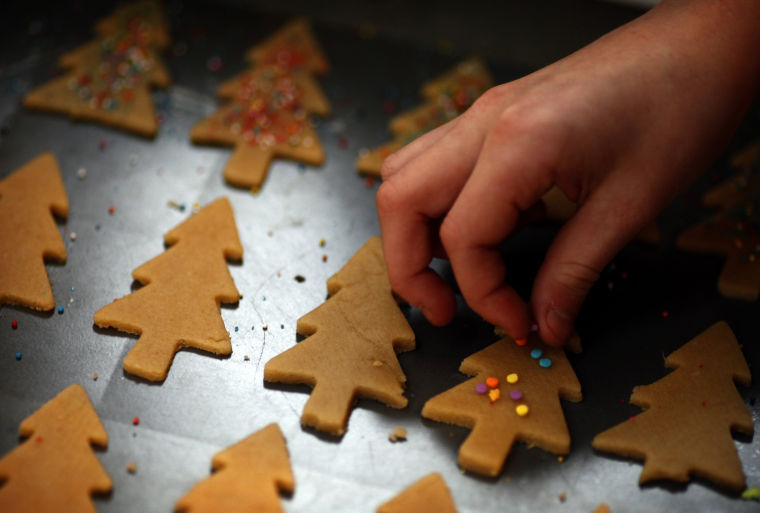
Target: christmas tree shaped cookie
(734, 231)
(109, 80)
(428, 494)
(351, 347)
(183, 288)
(246, 478)
(446, 97)
(266, 109)
(30, 235)
(689, 415)
(514, 396)
(55, 469)
(145, 15)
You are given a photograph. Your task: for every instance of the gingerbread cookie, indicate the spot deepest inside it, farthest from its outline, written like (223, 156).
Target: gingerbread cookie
(428, 494)
(183, 288)
(689, 414)
(514, 396)
(247, 477)
(446, 97)
(734, 231)
(55, 469)
(30, 235)
(267, 108)
(109, 80)
(351, 347)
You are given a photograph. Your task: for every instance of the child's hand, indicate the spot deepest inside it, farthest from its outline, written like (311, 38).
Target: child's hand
(620, 127)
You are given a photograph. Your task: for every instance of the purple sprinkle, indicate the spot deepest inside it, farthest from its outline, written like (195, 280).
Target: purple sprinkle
(481, 388)
(515, 395)
(534, 327)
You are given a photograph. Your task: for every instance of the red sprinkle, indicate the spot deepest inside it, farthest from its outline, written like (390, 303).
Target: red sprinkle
(343, 142)
(369, 181)
(704, 403)
(103, 144)
(136, 421)
(630, 419)
(38, 439)
(111, 209)
(14, 324)
(665, 313)
(521, 341)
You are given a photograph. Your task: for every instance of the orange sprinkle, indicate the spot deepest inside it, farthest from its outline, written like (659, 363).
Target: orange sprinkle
(521, 341)
(494, 395)
(492, 382)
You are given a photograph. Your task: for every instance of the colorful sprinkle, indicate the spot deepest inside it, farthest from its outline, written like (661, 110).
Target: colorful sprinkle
(236, 329)
(522, 410)
(111, 209)
(18, 355)
(751, 494)
(60, 309)
(14, 324)
(322, 243)
(665, 314)
(545, 363)
(492, 382)
(369, 181)
(515, 395)
(494, 395)
(536, 354)
(481, 388)
(135, 421)
(73, 236)
(521, 341)
(82, 173)
(324, 258)
(513, 378)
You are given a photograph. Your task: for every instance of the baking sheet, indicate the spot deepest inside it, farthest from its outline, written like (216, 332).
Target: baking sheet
(208, 403)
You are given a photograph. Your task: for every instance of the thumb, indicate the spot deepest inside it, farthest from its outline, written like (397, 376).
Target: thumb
(581, 249)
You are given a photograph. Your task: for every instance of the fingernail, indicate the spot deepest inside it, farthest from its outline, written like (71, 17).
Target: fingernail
(558, 322)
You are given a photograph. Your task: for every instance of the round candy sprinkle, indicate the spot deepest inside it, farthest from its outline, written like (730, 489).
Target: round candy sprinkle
(534, 327)
(481, 388)
(545, 363)
(536, 353)
(515, 395)
(521, 341)
(14, 324)
(512, 378)
(111, 209)
(494, 395)
(522, 410)
(18, 355)
(136, 421)
(60, 309)
(492, 382)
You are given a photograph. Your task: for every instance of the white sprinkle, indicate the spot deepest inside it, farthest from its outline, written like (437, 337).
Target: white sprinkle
(82, 173)
(73, 236)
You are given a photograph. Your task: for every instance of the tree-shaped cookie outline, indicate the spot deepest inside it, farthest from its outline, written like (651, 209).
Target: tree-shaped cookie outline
(56, 465)
(28, 199)
(265, 109)
(109, 79)
(734, 231)
(445, 97)
(351, 344)
(685, 428)
(428, 494)
(247, 476)
(183, 287)
(495, 424)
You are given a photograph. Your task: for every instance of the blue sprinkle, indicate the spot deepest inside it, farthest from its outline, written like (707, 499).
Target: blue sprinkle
(263, 298)
(252, 328)
(73, 289)
(18, 355)
(60, 309)
(545, 363)
(536, 353)
(236, 328)
(97, 227)
(282, 326)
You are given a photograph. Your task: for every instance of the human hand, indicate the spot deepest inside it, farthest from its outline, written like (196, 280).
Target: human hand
(620, 126)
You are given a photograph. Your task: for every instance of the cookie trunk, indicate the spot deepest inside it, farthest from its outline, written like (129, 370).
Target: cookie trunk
(328, 407)
(151, 357)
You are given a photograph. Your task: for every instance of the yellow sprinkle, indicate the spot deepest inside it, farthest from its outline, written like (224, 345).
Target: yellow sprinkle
(321, 243)
(494, 394)
(132, 467)
(522, 410)
(512, 378)
(560, 458)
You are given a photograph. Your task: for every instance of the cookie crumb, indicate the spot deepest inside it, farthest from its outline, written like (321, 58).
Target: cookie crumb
(563, 497)
(246, 358)
(132, 467)
(398, 435)
(377, 363)
(82, 173)
(95, 377)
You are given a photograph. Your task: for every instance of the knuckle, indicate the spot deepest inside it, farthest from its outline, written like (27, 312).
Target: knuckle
(388, 198)
(576, 278)
(450, 234)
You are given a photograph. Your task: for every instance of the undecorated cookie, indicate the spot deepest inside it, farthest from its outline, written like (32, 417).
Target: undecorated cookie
(55, 469)
(178, 306)
(266, 114)
(109, 80)
(514, 396)
(351, 345)
(29, 233)
(247, 477)
(428, 494)
(689, 415)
